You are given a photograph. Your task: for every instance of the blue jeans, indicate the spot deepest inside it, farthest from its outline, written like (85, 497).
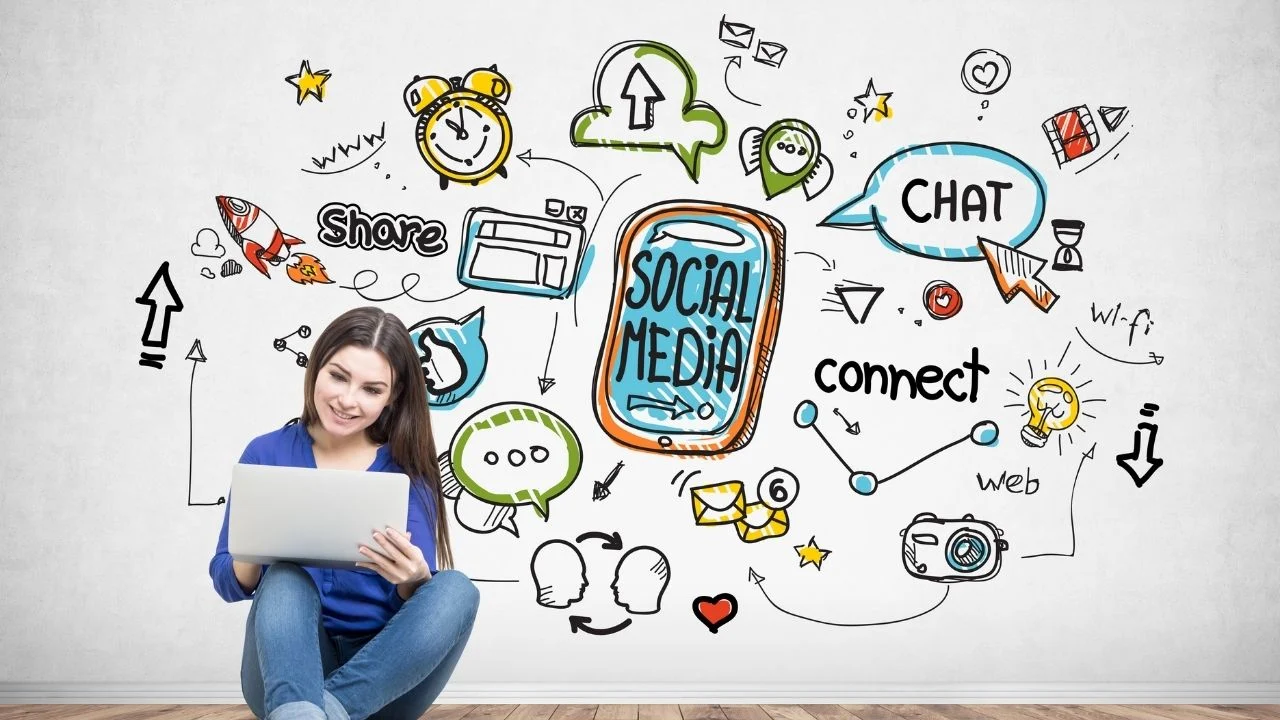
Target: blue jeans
(293, 670)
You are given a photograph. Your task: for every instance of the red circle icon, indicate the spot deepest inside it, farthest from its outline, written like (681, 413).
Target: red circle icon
(942, 300)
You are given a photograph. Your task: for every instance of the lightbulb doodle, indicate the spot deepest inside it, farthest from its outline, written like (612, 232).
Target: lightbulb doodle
(1050, 400)
(453, 356)
(865, 482)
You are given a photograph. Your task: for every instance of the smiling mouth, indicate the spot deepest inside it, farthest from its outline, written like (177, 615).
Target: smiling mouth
(340, 416)
(467, 161)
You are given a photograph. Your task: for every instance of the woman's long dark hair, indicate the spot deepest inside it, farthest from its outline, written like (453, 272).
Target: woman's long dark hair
(405, 424)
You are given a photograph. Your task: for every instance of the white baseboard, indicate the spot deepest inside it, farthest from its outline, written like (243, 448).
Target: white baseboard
(721, 694)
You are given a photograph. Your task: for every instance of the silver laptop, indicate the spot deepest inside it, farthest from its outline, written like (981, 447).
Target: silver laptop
(312, 517)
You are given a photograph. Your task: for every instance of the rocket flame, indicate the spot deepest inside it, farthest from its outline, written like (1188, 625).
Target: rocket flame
(307, 270)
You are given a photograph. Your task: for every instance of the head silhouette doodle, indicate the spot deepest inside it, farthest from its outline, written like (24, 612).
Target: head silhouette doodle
(640, 579)
(559, 574)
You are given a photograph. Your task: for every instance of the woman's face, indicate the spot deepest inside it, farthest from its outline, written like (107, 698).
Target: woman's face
(351, 390)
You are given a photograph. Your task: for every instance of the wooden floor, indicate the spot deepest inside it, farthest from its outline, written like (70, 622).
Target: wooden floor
(688, 712)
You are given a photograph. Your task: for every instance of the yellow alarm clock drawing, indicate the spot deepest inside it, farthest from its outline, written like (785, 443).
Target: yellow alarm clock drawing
(463, 131)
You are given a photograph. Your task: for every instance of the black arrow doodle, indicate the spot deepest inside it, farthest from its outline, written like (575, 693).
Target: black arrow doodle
(852, 428)
(196, 356)
(528, 155)
(581, 622)
(612, 541)
(1152, 358)
(734, 60)
(1141, 462)
(600, 490)
(758, 579)
(1087, 456)
(544, 382)
(170, 303)
(640, 87)
(676, 406)
(830, 264)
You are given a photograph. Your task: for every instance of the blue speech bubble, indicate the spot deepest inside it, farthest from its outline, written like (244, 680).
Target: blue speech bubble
(935, 200)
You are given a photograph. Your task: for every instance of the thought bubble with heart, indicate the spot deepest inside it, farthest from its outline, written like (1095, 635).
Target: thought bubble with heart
(714, 612)
(985, 71)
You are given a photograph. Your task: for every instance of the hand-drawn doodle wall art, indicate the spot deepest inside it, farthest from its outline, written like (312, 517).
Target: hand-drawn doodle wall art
(522, 254)
(935, 200)
(640, 579)
(159, 297)
(950, 551)
(726, 503)
(786, 154)
(1051, 402)
(1141, 463)
(516, 454)
(643, 99)
(697, 298)
(347, 225)
(985, 72)
(259, 237)
(463, 131)
(366, 146)
(308, 83)
(453, 356)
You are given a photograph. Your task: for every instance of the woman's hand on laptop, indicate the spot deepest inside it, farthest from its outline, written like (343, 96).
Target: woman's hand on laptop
(399, 561)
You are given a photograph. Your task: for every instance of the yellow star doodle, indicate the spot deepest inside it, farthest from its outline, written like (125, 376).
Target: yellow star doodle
(811, 554)
(309, 83)
(874, 102)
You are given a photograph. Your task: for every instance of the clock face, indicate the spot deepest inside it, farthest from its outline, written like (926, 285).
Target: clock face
(466, 139)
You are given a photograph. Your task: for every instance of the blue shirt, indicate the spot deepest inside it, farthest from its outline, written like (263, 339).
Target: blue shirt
(353, 602)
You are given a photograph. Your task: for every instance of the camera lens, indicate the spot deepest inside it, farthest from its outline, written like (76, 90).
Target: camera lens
(967, 551)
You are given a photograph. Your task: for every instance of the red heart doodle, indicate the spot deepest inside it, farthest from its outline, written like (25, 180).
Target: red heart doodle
(715, 611)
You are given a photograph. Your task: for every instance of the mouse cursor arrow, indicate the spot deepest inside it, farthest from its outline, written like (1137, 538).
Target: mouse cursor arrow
(1017, 272)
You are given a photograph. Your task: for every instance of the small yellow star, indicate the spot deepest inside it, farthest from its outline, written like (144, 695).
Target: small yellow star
(811, 554)
(873, 102)
(309, 83)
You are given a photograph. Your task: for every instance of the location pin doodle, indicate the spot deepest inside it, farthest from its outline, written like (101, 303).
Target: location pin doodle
(281, 344)
(985, 72)
(787, 153)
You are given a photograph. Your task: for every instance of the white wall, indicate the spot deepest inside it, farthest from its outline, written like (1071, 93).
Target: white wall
(121, 123)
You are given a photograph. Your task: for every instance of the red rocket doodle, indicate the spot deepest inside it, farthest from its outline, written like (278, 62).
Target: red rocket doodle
(258, 236)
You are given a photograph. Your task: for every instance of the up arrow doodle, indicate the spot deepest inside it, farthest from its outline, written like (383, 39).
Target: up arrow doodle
(544, 382)
(1141, 462)
(196, 356)
(676, 406)
(642, 92)
(160, 295)
(735, 61)
(1088, 455)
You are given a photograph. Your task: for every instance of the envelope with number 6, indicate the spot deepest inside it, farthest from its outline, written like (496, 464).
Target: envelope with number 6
(761, 521)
